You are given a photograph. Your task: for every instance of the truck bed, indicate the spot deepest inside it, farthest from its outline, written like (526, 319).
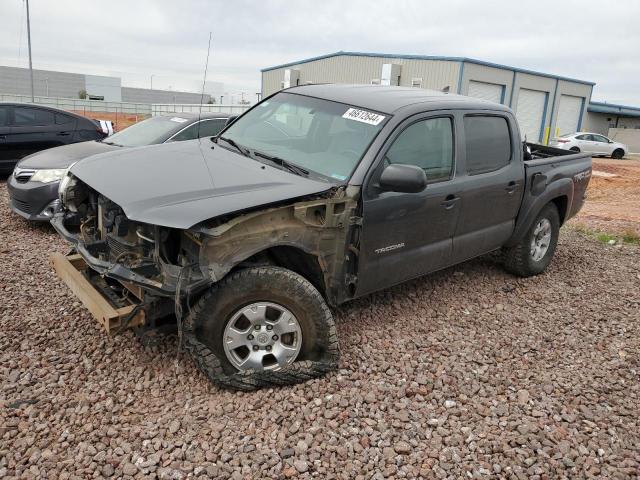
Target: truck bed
(552, 174)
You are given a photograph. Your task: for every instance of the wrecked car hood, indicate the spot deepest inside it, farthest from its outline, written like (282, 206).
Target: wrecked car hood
(184, 183)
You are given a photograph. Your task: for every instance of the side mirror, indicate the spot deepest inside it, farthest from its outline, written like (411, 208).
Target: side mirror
(403, 178)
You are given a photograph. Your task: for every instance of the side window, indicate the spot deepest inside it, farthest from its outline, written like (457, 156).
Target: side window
(583, 137)
(62, 119)
(188, 133)
(211, 128)
(427, 144)
(24, 117)
(600, 138)
(4, 114)
(488, 143)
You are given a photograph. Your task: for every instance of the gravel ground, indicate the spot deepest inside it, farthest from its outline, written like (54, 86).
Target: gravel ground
(469, 373)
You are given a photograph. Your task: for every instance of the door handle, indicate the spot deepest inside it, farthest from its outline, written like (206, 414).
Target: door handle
(63, 134)
(511, 187)
(449, 201)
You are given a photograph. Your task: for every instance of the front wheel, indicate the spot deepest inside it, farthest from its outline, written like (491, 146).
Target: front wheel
(617, 154)
(534, 252)
(265, 325)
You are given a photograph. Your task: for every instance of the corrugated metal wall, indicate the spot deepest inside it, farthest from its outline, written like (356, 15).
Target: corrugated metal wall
(16, 81)
(435, 74)
(438, 74)
(143, 95)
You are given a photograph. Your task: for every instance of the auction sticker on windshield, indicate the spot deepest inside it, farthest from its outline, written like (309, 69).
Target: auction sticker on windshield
(178, 119)
(363, 116)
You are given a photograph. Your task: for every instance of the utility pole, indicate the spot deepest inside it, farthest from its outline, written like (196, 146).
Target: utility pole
(152, 81)
(29, 41)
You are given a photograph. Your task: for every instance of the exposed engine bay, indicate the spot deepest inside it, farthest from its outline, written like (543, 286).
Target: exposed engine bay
(161, 264)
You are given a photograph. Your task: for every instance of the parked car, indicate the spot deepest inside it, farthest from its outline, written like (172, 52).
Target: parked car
(317, 195)
(27, 128)
(593, 143)
(33, 187)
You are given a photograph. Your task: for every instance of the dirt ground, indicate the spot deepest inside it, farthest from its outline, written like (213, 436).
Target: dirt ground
(613, 202)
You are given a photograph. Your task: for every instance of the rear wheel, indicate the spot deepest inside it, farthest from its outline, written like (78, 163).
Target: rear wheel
(534, 252)
(264, 325)
(574, 149)
(618, 153)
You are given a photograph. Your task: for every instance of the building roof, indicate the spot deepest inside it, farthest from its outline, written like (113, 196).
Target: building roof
(613, 109)
(385, 99)
(428, 57)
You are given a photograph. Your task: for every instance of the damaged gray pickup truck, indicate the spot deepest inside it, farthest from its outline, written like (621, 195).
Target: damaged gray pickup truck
(315, 196)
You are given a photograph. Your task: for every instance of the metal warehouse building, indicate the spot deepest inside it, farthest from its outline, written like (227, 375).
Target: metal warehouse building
(49, 83)
(545, 105)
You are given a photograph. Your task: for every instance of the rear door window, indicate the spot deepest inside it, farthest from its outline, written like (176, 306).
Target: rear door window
(211, 128)
(62, 119)
(32, 117)
(488, 143)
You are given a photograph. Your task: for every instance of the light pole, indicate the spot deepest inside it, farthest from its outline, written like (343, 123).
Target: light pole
(29, 42)
(46, 82)
(221, 97)
(152, 81)
(258, 94)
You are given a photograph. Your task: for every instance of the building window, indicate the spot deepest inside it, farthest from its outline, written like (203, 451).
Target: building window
(416, 82)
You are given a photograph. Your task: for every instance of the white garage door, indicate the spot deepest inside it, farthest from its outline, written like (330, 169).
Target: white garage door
(485, 91)
(529, 112)
(568, 114)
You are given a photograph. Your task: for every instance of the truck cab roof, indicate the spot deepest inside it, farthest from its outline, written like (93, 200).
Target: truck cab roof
(386, 99)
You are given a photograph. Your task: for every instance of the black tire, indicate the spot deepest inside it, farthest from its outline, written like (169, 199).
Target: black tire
(617, 154)
(319, 350)
(574, 149)
(519, 260)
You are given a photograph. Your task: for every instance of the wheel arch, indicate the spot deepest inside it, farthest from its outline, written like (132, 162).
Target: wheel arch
(560, 195)
(293, 258)
(562, 203)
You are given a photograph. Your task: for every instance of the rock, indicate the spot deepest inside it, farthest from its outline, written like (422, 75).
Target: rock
(523, 397)
(301, 466)
(402, 448)
(174, 426)
(129, 469)
(449, 404)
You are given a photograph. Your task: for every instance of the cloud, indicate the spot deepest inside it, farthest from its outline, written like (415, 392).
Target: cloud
(590, 41)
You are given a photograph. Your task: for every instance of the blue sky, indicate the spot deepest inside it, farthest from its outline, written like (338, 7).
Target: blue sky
(589, 40)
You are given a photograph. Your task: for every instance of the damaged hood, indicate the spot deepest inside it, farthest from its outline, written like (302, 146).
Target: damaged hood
(184, 183)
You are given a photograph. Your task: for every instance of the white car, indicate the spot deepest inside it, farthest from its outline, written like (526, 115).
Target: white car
(593, 143)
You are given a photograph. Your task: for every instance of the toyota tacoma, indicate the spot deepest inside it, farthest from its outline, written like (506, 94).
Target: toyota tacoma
(317, 195)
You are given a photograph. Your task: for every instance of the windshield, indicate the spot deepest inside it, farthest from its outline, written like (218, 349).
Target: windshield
(148, 132)
(318, 135)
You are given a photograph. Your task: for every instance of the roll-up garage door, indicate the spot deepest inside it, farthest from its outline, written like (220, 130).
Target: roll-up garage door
(568, 114)
(529, 112)
(486, 91)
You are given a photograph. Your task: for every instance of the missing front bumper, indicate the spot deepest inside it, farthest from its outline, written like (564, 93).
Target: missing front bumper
(71, 270)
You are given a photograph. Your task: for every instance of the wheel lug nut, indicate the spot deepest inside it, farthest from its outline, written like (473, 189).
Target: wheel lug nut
(275, 338)
(256, 348)
(268, 348)
(269, 327)
(250, 337)
(257, 327)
